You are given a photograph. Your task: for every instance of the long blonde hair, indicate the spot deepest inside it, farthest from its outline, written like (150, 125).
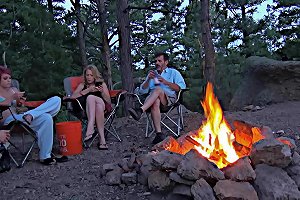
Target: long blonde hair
(97, 75)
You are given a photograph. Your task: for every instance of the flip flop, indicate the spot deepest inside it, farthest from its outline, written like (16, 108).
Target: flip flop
(102, 148)
(89, 137)
(24, 118)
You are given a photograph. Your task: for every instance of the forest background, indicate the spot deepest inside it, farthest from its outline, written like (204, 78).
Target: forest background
(43, 42)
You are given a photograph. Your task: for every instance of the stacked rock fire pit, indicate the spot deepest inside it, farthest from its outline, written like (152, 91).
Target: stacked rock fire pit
(215, 162)
(272, 171)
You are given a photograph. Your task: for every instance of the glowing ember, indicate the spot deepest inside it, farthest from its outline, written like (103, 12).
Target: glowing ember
(215, 136)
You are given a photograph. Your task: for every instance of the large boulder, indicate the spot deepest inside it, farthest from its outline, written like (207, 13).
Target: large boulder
(267, 81)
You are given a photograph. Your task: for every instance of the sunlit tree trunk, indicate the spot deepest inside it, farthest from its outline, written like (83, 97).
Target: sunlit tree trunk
(209, 65)
(105, 43)
(125, 49)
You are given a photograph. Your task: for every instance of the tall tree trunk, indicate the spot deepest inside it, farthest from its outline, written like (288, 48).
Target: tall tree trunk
(209, 65)
(105, 43)
(50, 6)
(80, 34)
(125, 50)
(245, 33)
(145, 41)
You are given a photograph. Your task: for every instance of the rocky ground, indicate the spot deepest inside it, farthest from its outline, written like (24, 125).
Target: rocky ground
(80, 177)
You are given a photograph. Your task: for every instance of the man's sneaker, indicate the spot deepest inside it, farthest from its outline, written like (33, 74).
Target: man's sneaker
(136, 113)
(158, 138)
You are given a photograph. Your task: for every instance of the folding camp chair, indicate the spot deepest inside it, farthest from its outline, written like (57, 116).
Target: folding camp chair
(70, 84)
(176, 119)
(18, 127)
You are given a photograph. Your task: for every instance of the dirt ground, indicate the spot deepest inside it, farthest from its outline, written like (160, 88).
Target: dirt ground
(80, 177)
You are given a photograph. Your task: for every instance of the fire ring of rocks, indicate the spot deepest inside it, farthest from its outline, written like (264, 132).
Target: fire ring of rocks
(215, 162)
(271, 171)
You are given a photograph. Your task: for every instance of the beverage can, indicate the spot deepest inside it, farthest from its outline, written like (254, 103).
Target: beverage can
(69, 104)
(156, 81)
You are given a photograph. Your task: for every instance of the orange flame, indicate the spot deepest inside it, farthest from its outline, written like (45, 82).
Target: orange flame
(215, 135)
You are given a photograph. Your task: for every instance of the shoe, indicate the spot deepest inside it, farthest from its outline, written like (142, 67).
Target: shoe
(158, 138)
(136, 113)
(102, 146)
(48, 161)
(61, 159)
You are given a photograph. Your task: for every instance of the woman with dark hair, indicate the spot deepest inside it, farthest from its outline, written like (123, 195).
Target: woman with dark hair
(94, 97)
(39, 119)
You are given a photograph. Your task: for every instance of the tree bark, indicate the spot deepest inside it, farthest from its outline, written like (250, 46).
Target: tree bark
(125, 50)
(105, 42)
(209, 65)
(145, 39)
(50, 6)
(80, 34)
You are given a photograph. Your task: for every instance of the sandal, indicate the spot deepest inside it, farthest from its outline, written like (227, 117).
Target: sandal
(48, 161)
(102, 146)
(89, 137)
(25, 118)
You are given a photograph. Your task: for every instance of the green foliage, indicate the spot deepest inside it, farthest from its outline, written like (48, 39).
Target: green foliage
(196, 86)
(229, 74)
(286, 29)
(34, 46)
(41, 47)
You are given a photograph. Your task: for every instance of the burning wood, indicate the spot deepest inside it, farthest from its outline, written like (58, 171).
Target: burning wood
(191, 140)
(241, 149)
(215, 140)
(243, 127)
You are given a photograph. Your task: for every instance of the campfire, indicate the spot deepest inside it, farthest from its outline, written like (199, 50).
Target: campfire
(215, 139)
(215, 162)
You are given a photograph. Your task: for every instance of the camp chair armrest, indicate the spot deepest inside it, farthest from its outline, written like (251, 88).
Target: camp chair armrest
(4, 107)
(66, 100)
(137, 96)
(119, 95)
(33, 104)
(180, 94)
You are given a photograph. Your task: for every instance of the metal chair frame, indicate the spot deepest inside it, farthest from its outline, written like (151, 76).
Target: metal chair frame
(109, 118)
(166, 115)
(26, 129)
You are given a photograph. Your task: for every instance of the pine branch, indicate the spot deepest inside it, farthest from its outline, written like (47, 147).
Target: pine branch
(85, 27)
(152, 9)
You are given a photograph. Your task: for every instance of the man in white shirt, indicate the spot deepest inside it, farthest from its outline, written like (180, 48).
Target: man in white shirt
(162, 84)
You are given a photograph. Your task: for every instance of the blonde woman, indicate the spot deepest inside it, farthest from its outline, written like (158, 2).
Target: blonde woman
(95, 99)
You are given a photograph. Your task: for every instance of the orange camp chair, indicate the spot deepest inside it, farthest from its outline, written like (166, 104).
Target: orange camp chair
(71, 83)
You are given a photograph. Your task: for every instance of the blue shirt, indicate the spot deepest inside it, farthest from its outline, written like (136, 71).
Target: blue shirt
(170, 75)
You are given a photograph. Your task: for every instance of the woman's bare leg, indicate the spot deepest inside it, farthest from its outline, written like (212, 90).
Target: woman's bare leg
(91, 114)
(100, 107)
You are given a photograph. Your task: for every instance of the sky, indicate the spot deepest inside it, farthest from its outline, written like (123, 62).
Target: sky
(261, 11)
